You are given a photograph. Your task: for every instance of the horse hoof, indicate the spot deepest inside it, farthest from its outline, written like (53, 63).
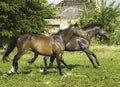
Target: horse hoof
(95, 67)
(99, 66)
(10, 73)
(6, 60)
(51, 66)
(61, 74)
(69, 68)
(41, 71)
(30, 62)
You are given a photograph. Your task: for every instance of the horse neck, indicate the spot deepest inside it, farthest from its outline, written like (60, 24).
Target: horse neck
(91, 33)
(66, 36)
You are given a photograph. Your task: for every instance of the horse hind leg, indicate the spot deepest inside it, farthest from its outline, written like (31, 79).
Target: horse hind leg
(88, 53)
(45, 61)
(15, 64)
(96, 59)
(33, 59)
(65, 64)
(45, 64)
(52, 58)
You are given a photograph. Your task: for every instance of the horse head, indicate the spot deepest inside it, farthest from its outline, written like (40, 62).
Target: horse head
(104, 33)
(94, 29)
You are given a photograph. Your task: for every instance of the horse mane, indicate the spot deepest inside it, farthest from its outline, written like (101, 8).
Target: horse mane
(90, 26)
(66, 29)
(61, 31)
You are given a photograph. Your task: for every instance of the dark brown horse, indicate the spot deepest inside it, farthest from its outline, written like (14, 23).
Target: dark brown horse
(46, 46)
(78, 43)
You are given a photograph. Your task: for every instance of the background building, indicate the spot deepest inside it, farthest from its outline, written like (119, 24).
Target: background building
(70, 9)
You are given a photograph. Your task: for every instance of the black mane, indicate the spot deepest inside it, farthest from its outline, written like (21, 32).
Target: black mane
(90, 26)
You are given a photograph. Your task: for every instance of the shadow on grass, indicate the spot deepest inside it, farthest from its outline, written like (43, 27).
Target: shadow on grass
(38, 72)
(29, 70)
(62, 66)
(76, 66)
(2, 73)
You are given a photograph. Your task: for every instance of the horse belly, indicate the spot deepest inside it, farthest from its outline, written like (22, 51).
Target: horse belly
(43, 49)
(70, 46)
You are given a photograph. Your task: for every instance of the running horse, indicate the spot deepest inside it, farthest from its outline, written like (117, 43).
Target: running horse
(78, 43)
(47, 46)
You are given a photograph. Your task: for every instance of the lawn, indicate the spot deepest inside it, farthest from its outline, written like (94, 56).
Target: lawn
(81, 75)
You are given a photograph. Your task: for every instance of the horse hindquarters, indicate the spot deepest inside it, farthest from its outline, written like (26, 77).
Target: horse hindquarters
(22, 47)
(11, 46)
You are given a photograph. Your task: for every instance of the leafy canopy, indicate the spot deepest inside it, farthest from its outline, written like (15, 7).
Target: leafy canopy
(24, 16)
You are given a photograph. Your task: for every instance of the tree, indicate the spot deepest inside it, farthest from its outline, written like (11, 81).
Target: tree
(106, 14)
(24, 16)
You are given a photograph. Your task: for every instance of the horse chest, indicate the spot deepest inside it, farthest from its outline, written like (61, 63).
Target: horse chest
(58, 47)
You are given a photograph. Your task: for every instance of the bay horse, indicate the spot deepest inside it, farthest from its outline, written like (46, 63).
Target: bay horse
(47, 46)
(78, 43)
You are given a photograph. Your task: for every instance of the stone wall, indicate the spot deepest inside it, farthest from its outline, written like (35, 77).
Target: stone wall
(54, 25)
(61, 23)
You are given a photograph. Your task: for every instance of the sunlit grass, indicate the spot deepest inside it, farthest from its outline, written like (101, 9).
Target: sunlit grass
(81, 75)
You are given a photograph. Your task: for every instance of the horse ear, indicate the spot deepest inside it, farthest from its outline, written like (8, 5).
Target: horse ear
(76, 24)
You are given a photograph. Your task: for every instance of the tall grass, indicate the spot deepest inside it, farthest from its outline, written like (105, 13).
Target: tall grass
(82, 74)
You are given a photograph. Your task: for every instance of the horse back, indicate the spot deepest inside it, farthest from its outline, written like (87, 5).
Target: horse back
(36, 43)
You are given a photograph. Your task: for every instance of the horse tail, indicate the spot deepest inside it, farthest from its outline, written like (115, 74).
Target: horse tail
(11, 46)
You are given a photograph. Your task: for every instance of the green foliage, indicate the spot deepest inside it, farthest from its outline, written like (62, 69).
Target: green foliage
(115, 36)
(24, 16)
(88, 14)
(107, 15)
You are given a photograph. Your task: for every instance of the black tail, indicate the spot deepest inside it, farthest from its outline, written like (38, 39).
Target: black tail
(11, 46)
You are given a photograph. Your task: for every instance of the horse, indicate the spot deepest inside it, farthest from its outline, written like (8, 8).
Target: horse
(47, 46)
(78, 43)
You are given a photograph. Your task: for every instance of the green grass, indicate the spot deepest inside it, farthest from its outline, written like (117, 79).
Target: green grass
(82, 75)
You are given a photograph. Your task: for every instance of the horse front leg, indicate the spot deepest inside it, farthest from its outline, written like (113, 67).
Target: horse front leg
(58, 59)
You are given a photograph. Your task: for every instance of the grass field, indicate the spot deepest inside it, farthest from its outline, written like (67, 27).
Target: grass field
(82, 74)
